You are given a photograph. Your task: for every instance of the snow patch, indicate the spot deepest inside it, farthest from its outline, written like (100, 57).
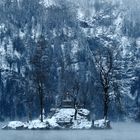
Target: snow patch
(47, 3)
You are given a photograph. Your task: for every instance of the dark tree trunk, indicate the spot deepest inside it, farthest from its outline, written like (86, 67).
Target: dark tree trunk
(41, 102)
(30, 112)
(105, 109)
(74, 102)
(75, 114)
(41, 110)
(106, 101)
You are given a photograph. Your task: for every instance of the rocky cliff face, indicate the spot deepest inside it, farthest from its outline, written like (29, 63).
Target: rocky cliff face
(71, 29)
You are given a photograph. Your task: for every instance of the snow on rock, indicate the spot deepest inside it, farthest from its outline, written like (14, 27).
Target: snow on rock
(83, 111)
(81, 124)
(64, 114)
(14, 125)
(102, 124)
(64, 118)
(52, 123)
(37, 124)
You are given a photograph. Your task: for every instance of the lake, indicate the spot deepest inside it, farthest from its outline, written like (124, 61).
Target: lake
(120, 131)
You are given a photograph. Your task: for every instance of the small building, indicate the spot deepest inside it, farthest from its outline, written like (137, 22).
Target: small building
(67, 102)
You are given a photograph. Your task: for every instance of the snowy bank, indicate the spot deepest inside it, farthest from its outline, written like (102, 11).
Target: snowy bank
(102, 124)
(14, 125)
(33, 125)
(61, 119)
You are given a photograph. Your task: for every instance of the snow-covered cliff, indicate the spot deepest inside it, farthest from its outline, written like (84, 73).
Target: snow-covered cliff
(71, 29)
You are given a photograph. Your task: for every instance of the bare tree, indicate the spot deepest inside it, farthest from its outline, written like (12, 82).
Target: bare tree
(39, 72)
(104, 63)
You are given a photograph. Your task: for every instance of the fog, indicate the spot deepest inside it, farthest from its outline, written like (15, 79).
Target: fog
(120, 131)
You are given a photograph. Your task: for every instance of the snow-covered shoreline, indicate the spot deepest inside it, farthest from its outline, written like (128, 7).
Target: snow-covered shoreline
(61, 119)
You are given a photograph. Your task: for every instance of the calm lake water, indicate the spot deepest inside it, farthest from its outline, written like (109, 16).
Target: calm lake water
(120, 131)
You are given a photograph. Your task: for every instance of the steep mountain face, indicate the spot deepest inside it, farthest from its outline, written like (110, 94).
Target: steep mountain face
(113, 24)
(72, 31)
